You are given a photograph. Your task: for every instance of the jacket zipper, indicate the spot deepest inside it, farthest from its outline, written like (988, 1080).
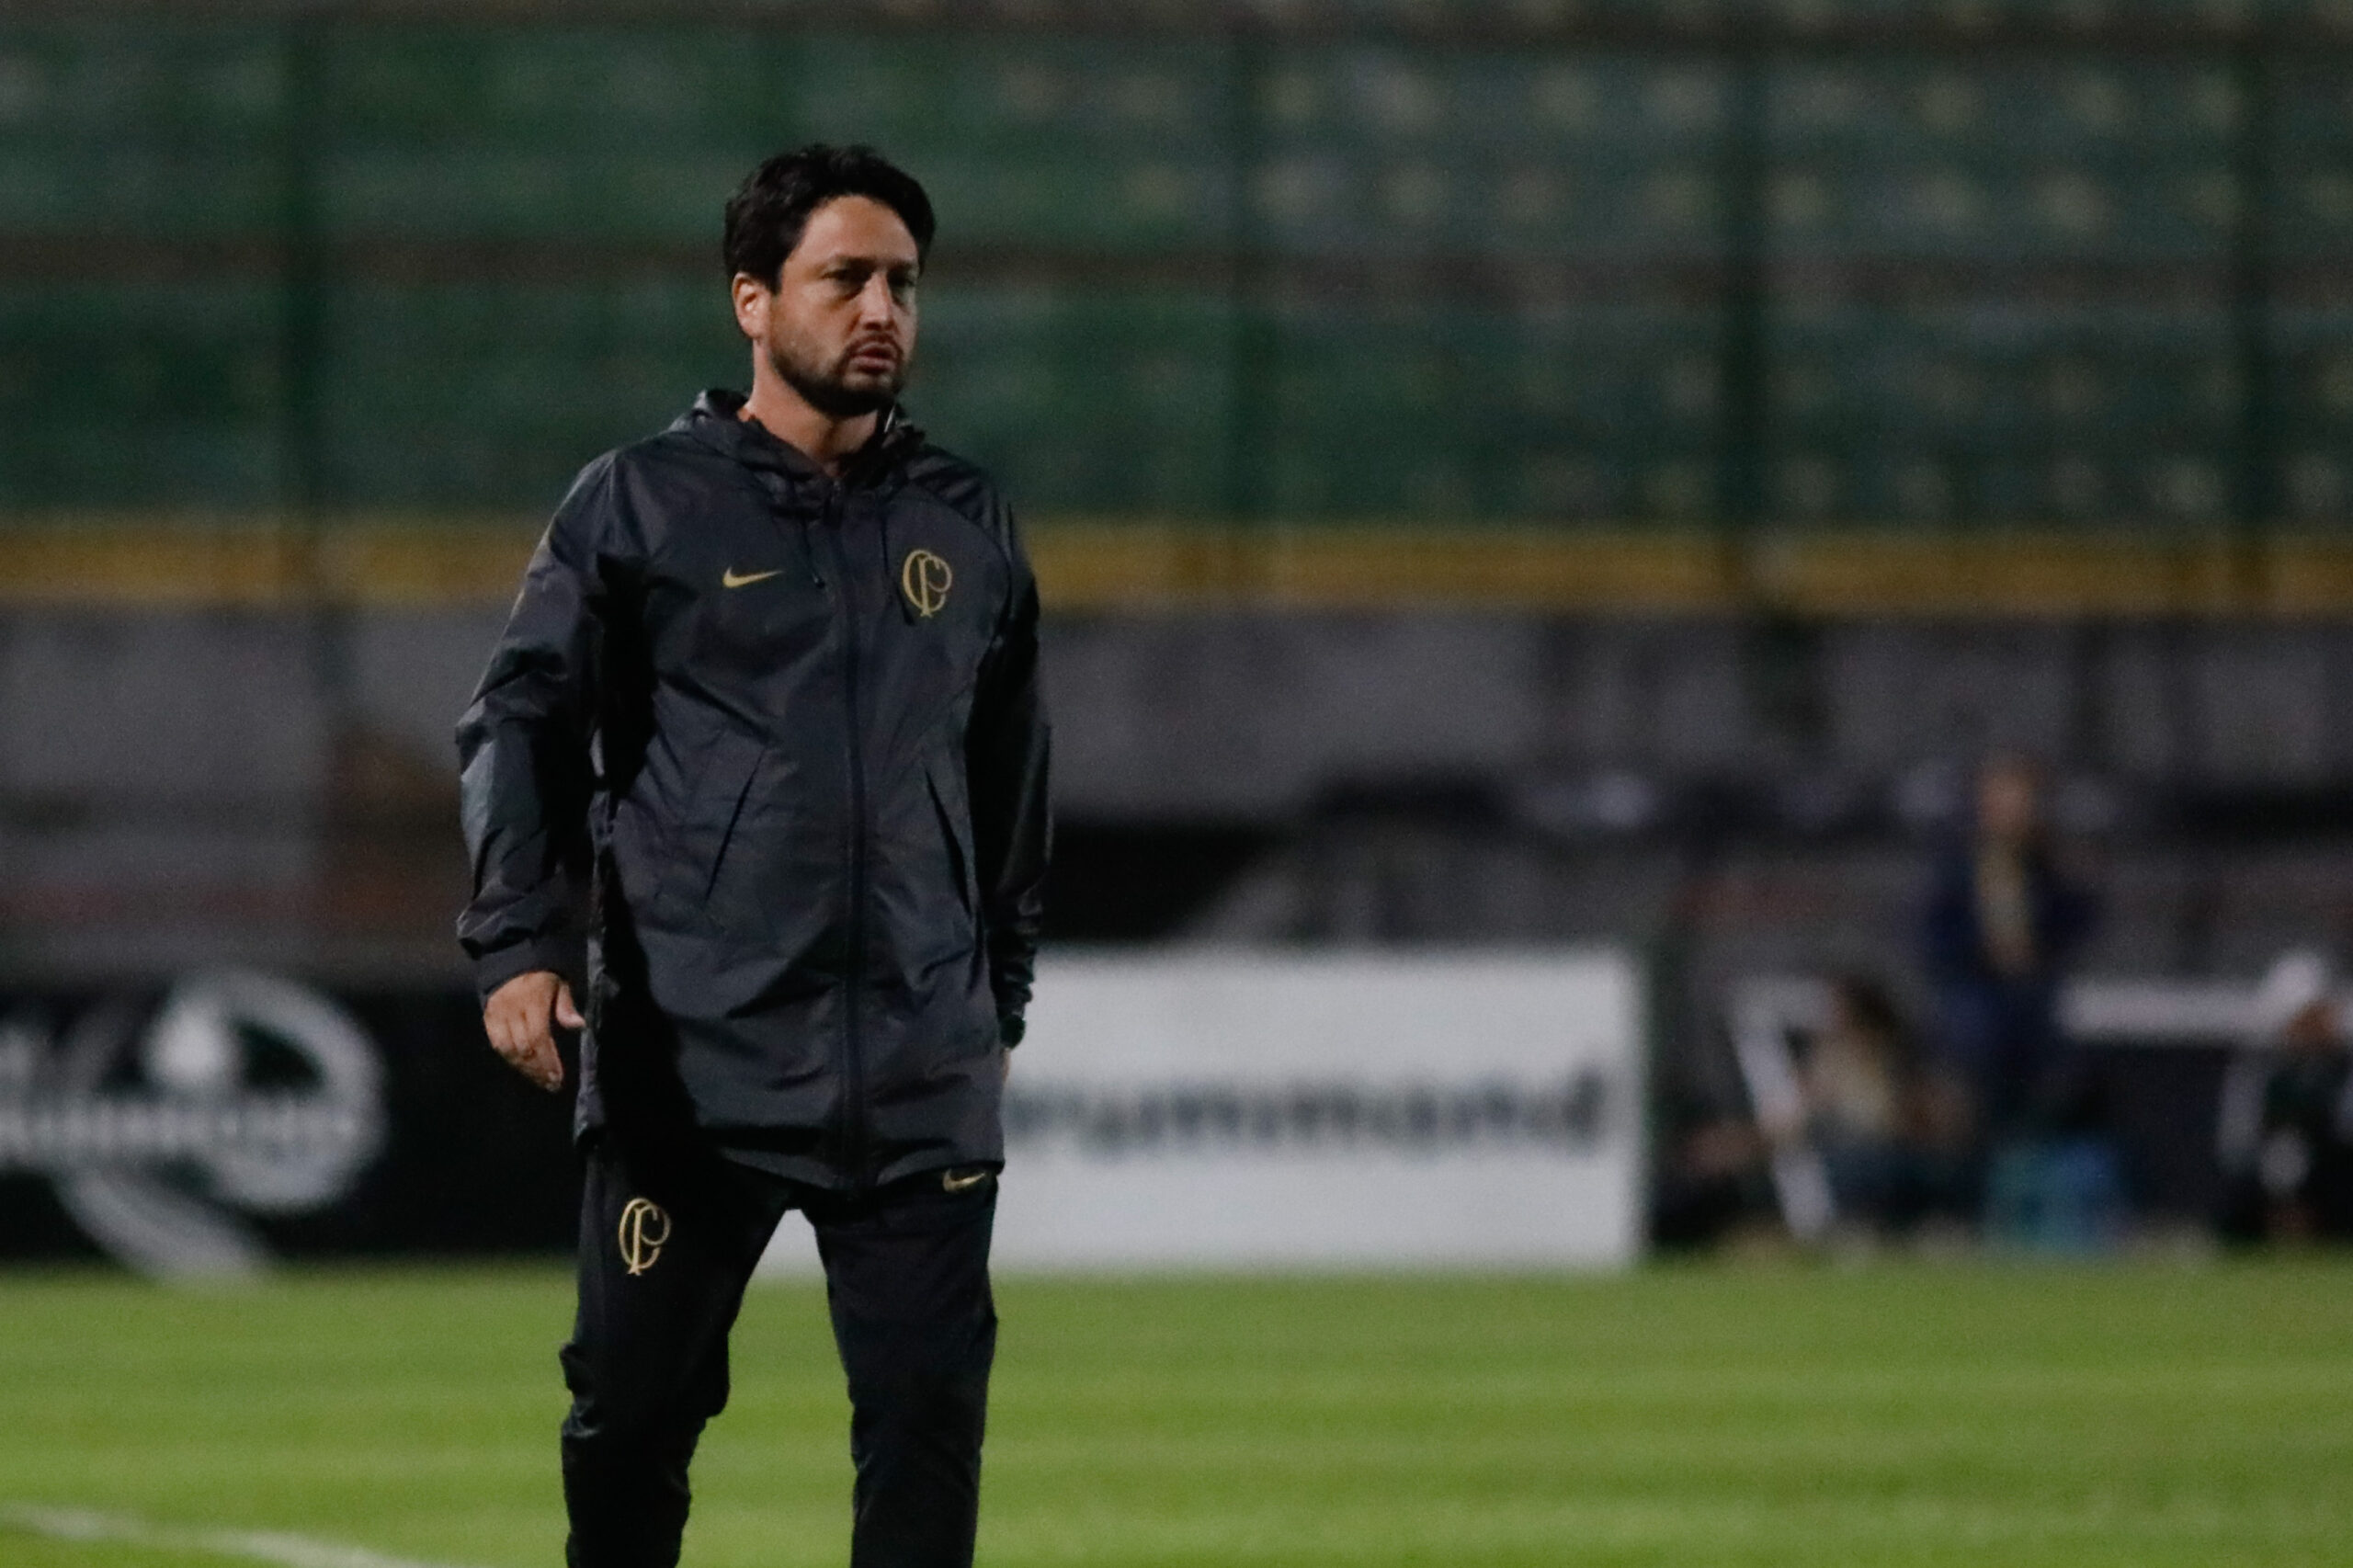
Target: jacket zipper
(853, 1064)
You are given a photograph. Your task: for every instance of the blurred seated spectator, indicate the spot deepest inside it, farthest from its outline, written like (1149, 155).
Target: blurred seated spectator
(2286, 1134)
(1887, 1134)
(1887, 1131)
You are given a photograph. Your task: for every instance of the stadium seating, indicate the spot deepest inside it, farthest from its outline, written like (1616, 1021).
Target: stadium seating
(1362, 272)
(192, 367)
(2000, 410)
(1975, 160)
(2314, 353)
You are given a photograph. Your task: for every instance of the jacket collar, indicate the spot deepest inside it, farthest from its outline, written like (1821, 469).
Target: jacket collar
(716, 420)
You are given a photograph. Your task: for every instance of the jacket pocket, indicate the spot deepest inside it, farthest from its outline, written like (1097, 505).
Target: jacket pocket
(706, 829)
(956, 828)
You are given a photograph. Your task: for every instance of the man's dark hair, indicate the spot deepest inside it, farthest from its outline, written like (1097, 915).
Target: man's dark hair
(769, 210)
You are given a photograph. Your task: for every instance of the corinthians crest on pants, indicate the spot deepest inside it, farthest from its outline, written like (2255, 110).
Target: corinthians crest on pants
(644, 1229)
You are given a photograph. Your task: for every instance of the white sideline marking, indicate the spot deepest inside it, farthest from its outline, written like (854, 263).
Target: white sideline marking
(256, 1546)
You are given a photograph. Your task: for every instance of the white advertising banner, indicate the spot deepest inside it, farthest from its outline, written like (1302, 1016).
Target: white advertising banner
(1248, 1110)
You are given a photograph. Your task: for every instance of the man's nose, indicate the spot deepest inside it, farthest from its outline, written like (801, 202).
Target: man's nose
(875, 305)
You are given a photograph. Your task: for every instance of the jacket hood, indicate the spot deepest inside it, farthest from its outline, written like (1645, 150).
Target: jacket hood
(716, 420)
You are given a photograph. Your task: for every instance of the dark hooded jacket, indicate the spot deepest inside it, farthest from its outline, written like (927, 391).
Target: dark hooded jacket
(765, 750)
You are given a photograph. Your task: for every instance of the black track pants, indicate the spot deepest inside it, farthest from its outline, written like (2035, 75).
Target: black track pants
(666, 1247)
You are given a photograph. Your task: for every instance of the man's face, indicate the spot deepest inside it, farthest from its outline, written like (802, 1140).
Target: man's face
(839, 326)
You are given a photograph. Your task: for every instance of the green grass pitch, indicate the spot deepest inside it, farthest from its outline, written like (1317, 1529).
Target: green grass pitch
(1944, 1414)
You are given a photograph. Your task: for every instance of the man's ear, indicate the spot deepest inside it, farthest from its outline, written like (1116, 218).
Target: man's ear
(752, 299)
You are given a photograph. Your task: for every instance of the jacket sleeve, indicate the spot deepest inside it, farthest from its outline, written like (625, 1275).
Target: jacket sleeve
(523, 754)
(1005, 760)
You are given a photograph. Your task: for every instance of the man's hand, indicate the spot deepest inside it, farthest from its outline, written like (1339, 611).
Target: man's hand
(517, 1018)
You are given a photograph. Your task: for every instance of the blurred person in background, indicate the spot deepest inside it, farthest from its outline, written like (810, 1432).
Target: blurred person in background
(1889, 1129)
(2004, 920)
(1711, 1185)
(770, 690)
(1890, 1132)
(2285, 1141)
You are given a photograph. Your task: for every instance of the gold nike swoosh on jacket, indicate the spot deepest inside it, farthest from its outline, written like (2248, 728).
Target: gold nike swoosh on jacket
(951, 1182)
(731, 579)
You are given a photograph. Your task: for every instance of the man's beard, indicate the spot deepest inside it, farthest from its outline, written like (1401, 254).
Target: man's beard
(823, 388)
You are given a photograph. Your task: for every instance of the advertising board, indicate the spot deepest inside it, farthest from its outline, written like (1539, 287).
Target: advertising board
(1252, 1110)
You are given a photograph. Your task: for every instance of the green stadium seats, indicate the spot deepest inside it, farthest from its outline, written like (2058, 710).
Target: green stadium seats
(1338, 273)
(2313, 392)
(169, 131)
(1999, 410)
(1387, 150)
(2312, 218)
(1967, 159)
(1085, 402)
(512, 387)
(193, 369)
(1100, 144)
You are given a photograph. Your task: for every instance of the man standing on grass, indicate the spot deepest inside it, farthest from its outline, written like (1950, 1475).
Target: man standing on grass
(765, 730)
